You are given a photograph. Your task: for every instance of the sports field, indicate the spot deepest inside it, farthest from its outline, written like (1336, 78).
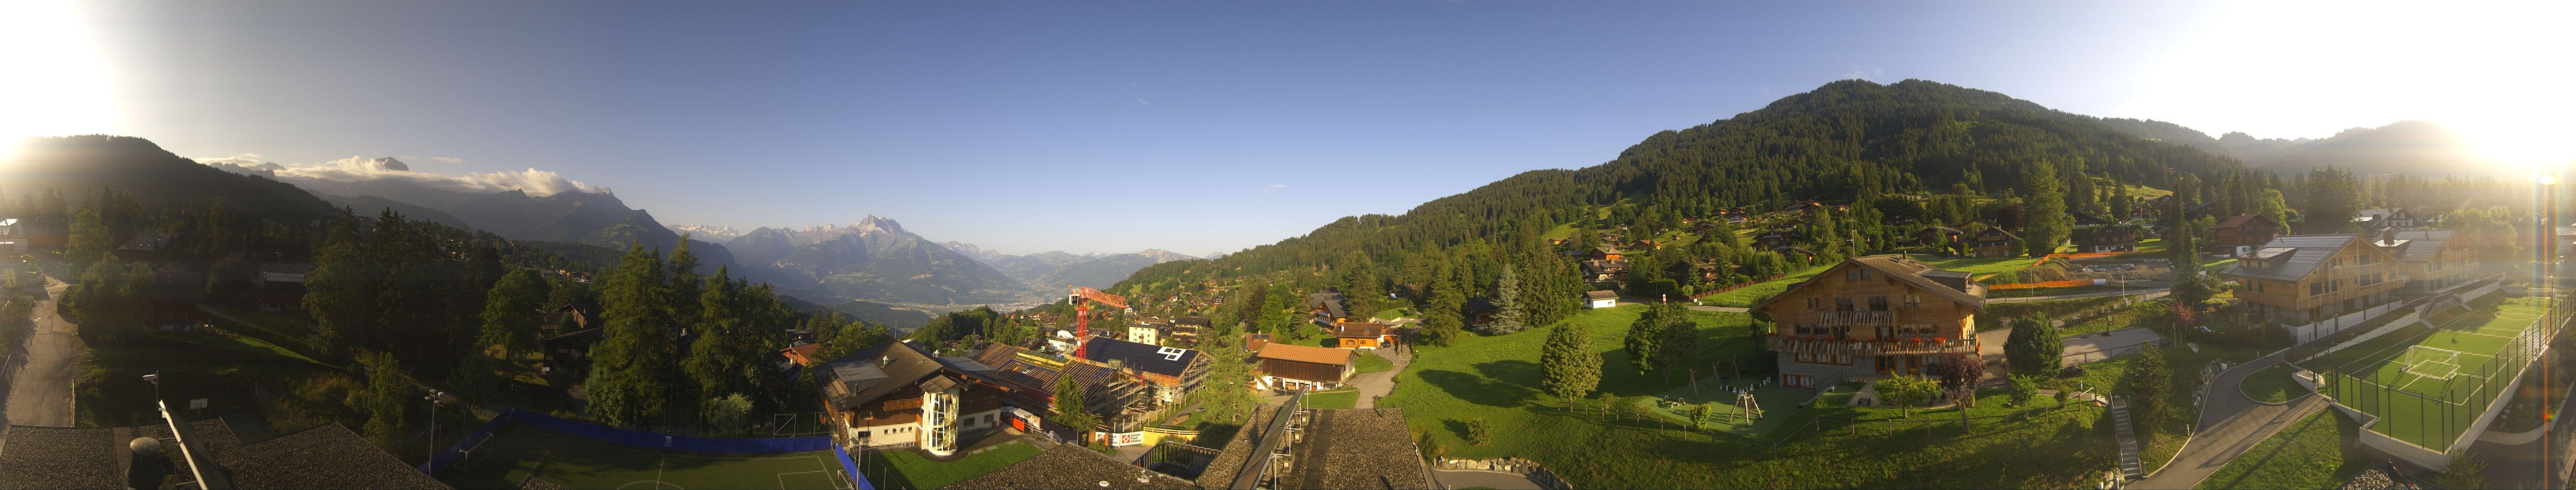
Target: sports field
(516, 453)
(2427, 385)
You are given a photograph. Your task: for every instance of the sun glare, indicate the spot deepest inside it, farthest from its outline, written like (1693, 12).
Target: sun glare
(59, 81)
(2489, 71)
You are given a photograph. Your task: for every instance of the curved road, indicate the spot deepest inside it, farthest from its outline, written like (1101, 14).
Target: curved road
(2230, 423)
(39, 392)
(1482, 479)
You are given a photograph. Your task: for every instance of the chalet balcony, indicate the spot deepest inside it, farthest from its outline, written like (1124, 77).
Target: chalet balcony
(1851, 318)
(1908, 345)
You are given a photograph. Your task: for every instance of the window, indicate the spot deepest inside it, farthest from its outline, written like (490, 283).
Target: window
(1852, 275)
(2316, 288)
(1815, 303)
(1842, 304)
(1913, 300)
(1864, 274)
(1878, 303)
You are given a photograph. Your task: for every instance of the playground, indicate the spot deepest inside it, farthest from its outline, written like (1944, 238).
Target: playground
(518, 455)
(1736, 407)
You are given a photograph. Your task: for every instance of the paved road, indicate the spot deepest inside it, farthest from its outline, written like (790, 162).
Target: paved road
(2079, 349)
(1482, 478)
(2230, 423)
(1377, 384)
(40, 387)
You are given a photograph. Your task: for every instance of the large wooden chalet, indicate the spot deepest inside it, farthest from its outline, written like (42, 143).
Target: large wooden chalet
(897, 394)
(2298, 279)
(2243, 230)
(1874, 316)
(1298, 367)
(1993, 242)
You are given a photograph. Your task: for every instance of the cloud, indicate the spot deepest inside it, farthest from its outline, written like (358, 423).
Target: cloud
(245, 159)
(362, 169)
(1864, 74)
(445, 160)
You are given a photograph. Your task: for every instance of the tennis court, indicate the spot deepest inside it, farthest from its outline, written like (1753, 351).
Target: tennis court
(2428, 385)
(517, 453)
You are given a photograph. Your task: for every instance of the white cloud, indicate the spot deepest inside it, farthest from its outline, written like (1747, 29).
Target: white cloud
(362, 169)
(245, 159)
(445, 160)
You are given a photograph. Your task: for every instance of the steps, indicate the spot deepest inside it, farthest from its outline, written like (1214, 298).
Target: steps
(2130, 466)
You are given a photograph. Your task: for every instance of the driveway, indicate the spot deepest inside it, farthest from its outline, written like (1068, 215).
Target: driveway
(1378, 384)
(1482, 479)
(40, 381)
(2079, 349)
(2230, 423)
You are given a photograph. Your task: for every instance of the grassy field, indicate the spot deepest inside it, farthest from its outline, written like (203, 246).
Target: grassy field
(2053, 308)
(1339, 398)
(2320, 451)
(517, 453)
(1778, 405)
(1979, 267)
(2272, 385)
(1495, 379)
(907, 469)
(1370, 363)
(2475, 338)
(2024, 293)
(2125, 318)
(1762, 290)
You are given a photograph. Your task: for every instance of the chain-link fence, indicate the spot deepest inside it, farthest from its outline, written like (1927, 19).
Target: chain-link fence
(2433, 412)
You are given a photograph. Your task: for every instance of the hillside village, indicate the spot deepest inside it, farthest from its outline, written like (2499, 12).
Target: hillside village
(2034, 319)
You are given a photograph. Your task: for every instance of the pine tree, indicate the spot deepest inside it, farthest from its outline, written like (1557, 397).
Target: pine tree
(1508, 315)
(1069, 411)
(388, 395)
(1571, 368)
(510, 317)
(2147, 385)
(2046, 221)
(2035, 347)
(1680, 341)
(631, 366)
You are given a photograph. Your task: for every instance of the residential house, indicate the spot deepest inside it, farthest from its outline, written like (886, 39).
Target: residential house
(2383, 218)
(1938, 235)
(1327, 308)
(281, 287)
(1605, 253)
(1610, 273)
(567, 354)
(1993, 242)
(1803, 206)
(899, 394)
(2431, 259)
(174, 300)
(2243, 230)
(1171, 372)
(1778, 238)
(1881, 315)
(1253, 342)
(1186, 330)
(2114, 238)
(803, 354)
(1601, 298)
(2300, 279)
(1145, 333)
(143, 247)
(1480, 312)
(1362, 335)
(1298, 367)
(2089, 219)
(1118, 397)
(13, 238)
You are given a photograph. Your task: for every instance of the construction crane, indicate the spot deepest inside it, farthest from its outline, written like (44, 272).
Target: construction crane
(1082, 298)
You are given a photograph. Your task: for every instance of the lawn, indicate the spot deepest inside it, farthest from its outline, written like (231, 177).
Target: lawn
(904, 468)
(1982, 266)
(2320, 451)
(1495, 379)
(243, 344)
(1370, 362)
(2272, 385)
(1757, 292)
(518, 453)
(1340, 398)
(2134, 315)
(2052, 308)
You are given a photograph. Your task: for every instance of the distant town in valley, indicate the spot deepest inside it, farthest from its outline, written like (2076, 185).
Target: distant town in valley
(1862, 284)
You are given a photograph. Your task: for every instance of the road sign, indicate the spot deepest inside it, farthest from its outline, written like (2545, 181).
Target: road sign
(197, 404)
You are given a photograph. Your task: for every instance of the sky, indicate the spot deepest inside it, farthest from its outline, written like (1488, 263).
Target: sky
(1193, 127)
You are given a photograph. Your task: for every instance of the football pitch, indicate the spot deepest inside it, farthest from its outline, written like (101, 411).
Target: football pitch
(2454, 367)
(517, 454)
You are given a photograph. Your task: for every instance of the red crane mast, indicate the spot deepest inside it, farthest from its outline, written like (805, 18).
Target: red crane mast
(1082, 298)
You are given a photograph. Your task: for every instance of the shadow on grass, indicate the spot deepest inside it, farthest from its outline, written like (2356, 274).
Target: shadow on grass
(1487, 388)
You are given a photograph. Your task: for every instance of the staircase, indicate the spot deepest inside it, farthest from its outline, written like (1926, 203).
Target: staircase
(2130, 466)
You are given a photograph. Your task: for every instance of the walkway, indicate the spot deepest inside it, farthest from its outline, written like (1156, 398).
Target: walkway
(1482, 479)
(40, 379)
(2230, 423)
(1378, 384)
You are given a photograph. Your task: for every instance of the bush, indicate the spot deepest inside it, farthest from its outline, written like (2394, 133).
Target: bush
(1480, 432)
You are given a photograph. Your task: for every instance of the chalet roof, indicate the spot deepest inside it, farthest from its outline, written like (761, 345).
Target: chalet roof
(1191, 321)
(2114, 232)
(1996, 230)
(1300, 353)
(1359, 448)
(1358, 330)
(586, 334)
(1946, 284)
(2421, 245)
(1331, 302)
(2242, 219)
(1601, 294)
(1071, 466)
(882, 369)
(1171, 361)
(1606, 250)
(2297, 255)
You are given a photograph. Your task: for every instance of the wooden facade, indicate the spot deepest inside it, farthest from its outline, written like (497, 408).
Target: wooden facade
(2299, 279)
(1872, 316)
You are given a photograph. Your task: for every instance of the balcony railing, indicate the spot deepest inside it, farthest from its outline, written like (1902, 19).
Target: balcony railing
(1906, 345)
(1845, 318)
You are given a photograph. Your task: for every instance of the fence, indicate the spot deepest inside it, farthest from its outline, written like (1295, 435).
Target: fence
(635, 438)
(2435, 422)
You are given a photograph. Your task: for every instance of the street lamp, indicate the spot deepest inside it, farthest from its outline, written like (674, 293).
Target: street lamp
(433, 426)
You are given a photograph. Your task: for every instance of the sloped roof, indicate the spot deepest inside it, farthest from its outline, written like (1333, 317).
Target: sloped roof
(856, 376)
(1601, 294)
(1915, 273)
(1356, 330)
(2242, 219)
(2424, 243)
(2305, 253)
(1332, 303)
(1300, 353)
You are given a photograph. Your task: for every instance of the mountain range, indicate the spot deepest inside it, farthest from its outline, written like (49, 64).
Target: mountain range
(1055, 271)
(2404, 147)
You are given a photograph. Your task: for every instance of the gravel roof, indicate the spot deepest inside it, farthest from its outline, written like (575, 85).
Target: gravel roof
(59, 457)
(327, 456)
(1220, 471)
(1072, 467)
(1359, 448)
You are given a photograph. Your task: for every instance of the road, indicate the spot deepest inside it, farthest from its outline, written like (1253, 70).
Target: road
(1482, 479)
(2230, 423)
(39, 392)
(1378, 384)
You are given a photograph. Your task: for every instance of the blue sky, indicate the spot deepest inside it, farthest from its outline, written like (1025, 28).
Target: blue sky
(1115, 126)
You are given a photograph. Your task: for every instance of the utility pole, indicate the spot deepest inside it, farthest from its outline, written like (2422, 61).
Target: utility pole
(433, 427)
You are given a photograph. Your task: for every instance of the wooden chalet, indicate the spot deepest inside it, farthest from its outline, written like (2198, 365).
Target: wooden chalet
(2431, 260)
(281, 288)
(2112, 238)
(1881, 315)
(1362, 335)
(1186, 330)
(899, 394)
(2243, 230)
(1993, 242)
(1298, 367)
(2298, 279)
(174, 298)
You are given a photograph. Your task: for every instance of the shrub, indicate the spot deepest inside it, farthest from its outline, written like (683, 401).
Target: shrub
(1480, 432)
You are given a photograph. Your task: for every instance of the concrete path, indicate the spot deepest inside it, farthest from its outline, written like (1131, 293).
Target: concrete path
(40, 381)
(2230, 423)
(1483, 479)
(1378, 384)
